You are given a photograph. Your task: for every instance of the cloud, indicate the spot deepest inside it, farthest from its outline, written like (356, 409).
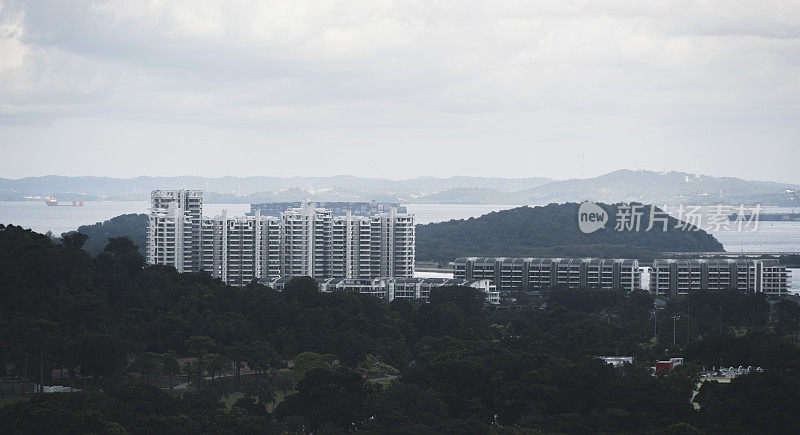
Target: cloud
(581, 76)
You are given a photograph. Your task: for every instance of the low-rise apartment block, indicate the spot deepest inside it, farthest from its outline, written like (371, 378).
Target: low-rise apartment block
(523, 274)
(673, 277)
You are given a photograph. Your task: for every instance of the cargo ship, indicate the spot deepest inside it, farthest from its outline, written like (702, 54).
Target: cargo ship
(52, 201)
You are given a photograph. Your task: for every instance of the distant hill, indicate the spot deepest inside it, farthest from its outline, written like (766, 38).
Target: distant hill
(647, 187)
(551, 230)
(650, 187)
(133, 226)
(293, 188)
(474, 195)
(297, 194)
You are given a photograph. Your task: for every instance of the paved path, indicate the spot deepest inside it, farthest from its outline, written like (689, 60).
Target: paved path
(387, 378)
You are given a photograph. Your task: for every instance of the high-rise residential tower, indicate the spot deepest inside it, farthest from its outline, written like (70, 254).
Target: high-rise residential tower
(294, 241)
(173, 231)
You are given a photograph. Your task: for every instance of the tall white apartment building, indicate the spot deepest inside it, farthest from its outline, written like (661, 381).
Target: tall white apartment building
(240, 249)
(305, 243)
(315, 243)
(298, 241)
(173, 231)
(380, 245)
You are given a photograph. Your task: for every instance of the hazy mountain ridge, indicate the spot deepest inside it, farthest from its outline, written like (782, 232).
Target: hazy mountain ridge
(618, 186)
(662, 188)
(140, 187)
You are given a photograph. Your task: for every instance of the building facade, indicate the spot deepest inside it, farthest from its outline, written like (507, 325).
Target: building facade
(173, 230)
(299, 241)
(389, 289)
(240, 249)
(523, 274)
(673, 277)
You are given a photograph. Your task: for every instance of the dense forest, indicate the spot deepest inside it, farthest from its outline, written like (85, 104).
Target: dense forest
(253, 360)
(132, 226)
(552, 231)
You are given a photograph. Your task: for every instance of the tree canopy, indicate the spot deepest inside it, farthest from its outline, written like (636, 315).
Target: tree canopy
(452, 365)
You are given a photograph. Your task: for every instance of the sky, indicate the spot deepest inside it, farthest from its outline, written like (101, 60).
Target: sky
(399, 89)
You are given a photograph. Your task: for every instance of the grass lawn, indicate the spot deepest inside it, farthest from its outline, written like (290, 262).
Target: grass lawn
(176, 393)
(7, 399)
(292, 375)
(230, 399)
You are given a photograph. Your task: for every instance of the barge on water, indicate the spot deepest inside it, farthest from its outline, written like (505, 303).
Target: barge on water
(52, 201)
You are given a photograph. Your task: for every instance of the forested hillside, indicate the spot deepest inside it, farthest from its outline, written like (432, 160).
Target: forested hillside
(553, 230)
(132, 226)
(119, 330)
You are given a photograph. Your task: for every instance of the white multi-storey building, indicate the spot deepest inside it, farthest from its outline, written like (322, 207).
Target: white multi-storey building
(523, 274)
(673, 277)
(240, 249)
(173, 231)
(300, 241)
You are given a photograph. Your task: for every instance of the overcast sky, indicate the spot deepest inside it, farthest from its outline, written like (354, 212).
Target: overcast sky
(399, 89)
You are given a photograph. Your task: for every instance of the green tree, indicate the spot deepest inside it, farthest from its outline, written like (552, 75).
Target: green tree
(150, 365)
(171, 365)
(200, 345)
(237, 352)
(74, 240)
(310, 361)
(302, 290)
(261, 357)
(99, 355)
(216, 364)
(194, 369)
(34, 336)
(339, 397)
